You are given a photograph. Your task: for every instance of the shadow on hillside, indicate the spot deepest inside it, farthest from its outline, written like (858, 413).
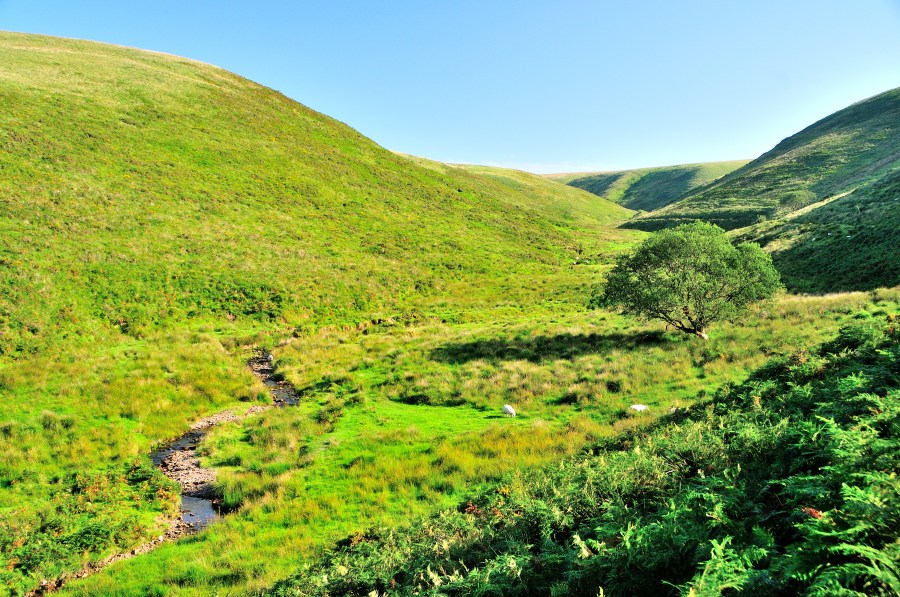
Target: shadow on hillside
(544, 348)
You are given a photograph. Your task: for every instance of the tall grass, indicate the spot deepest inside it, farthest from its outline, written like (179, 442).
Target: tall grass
(783, 484)
(414, 422)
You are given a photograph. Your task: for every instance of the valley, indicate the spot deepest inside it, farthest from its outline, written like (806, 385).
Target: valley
(167, 225)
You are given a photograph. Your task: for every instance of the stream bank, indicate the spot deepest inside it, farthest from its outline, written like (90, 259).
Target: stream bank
(179, 461)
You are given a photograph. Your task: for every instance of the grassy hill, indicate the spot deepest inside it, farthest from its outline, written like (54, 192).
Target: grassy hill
(160, 217)
(648, 189)
(204, 195)
(849, 243)
(850, 149)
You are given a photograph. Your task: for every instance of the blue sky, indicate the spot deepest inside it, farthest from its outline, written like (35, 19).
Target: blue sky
(541, 86)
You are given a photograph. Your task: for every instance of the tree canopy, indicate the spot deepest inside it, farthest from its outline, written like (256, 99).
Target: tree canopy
(689, 277)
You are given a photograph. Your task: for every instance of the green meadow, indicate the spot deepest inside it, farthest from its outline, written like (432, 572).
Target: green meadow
(783, 484)
(161, 220)
(399, 421)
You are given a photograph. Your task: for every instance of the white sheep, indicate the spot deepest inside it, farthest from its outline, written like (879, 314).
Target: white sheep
(639, 407)
(509, 411)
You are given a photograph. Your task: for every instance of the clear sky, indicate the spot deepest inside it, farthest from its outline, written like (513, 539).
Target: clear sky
(542, 86)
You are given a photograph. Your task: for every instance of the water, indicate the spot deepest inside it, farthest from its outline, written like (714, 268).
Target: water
(282, 394)
(198, 512)
(185, 442)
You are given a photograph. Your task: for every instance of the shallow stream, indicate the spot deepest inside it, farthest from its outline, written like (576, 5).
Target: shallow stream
(178, 460)
(198, 507)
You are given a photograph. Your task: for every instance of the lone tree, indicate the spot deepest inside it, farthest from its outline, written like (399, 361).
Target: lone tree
(689, 277)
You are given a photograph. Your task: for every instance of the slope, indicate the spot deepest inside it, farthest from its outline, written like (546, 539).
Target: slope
(159, 217)
(849, 149)
(849, 243)
(648, 189)
(149, 188)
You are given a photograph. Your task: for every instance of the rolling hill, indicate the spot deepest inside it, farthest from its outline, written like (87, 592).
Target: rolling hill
(850, 149)
(648, 189)
(164, 220)
(160, 217)
(141, 188)
(849, 243)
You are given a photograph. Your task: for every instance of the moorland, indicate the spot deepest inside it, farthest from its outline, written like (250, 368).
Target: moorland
(165, 221)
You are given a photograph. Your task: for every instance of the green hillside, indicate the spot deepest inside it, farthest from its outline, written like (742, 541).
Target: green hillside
(850, 243)
(161, 217)
(162, 220)
(845, 151)
(204, 195)
(648, 189)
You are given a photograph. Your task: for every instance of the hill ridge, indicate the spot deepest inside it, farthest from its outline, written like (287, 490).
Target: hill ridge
(849, 148)
(650, 188)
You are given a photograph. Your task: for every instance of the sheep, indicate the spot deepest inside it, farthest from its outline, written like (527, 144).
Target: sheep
(639, 407)
(270, 359)
(509, 411)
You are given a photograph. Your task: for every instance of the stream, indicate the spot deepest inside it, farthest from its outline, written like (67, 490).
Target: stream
(179, 461)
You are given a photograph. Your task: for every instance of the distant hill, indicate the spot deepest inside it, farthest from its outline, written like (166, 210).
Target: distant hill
(850, 243)
(648, 189)
(850, 149)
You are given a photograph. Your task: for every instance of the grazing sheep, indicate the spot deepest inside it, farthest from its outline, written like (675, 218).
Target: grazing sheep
(639, 407)
(509, 411)
(270, 358)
